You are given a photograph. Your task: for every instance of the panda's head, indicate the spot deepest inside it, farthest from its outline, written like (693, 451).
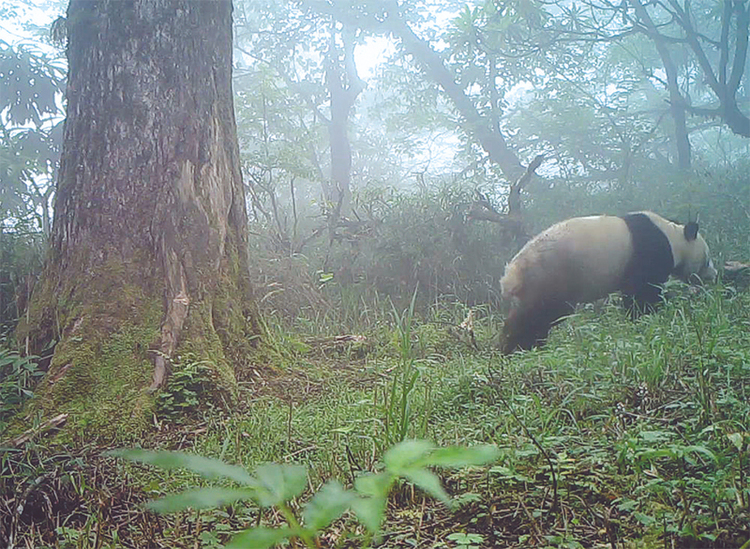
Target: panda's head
(690, 255)
(692, 260)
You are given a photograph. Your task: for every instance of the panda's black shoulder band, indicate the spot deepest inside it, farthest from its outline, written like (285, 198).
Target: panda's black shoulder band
(652, 261)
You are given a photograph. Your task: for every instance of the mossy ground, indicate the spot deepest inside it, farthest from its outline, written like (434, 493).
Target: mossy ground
(106, 327)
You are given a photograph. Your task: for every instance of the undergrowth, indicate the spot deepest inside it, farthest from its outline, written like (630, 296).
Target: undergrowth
(618, 433)
(18, 377)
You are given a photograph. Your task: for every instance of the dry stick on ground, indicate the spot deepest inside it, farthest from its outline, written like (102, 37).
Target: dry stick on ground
(27, 435)
(21, 503)
(737, 273)
(532, 521)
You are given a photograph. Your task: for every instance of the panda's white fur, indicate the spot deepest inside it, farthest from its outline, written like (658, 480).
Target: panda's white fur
(691, 257)
(586, 258)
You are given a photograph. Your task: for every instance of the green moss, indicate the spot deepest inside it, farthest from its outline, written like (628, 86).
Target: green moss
(108, 324)
(101, 369)
(42, 325)
(235, 321)
(201, 340)
(105, 324)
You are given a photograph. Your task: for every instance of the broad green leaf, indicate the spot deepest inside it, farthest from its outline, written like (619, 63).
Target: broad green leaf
(466, 539)
(199, 498)
(651, 454)
(705, 452)
(206, 467)
(644, 519)
(455, 456)
(526, 452)
(376, 485)
(406, 453)
(655, 436)
(625, 504)
(429, 482)
(509, 473)
(259, 538)
(279, 483)
(736, 439)
(328, 504)
(370, 511)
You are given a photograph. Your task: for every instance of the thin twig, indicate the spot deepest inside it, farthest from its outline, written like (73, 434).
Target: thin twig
(555, 499)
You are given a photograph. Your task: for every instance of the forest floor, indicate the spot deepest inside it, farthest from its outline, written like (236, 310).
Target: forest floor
(617, 434)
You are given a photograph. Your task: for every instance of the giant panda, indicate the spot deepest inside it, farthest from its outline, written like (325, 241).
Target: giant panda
(582, 259)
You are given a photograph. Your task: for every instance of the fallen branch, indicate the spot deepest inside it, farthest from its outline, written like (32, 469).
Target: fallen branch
(336, 341)
(26, 436)
(483, 210)
(737, 273)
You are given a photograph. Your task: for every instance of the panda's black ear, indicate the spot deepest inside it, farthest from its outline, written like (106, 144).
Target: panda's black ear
(691, 231)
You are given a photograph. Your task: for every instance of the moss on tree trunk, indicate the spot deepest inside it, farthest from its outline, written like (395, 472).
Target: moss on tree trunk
(148, 251)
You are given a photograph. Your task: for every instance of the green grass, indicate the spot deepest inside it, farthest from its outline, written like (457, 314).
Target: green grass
(616, 431)
(643, 422)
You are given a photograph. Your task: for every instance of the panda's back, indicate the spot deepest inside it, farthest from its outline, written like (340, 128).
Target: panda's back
(580, 259)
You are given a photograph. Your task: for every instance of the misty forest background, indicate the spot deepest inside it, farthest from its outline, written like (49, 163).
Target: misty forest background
(394, 158)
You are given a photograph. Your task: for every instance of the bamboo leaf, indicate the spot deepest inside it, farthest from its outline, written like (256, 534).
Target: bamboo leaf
(206, 467)
(199, 498)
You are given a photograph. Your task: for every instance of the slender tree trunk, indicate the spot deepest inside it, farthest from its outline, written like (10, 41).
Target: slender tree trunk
(148, 251)
(4, 283)
(676, 101)
(344, 86)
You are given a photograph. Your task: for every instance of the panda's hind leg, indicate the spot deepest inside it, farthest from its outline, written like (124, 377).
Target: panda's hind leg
(526, 328)
(520, 332)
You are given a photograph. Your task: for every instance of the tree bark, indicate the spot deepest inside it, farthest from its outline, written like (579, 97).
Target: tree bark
(148, 250)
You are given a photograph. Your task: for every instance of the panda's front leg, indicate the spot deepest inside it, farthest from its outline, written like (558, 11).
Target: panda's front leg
(643, 301)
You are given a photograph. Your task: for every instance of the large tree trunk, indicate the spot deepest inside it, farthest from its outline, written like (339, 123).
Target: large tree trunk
(148, 250)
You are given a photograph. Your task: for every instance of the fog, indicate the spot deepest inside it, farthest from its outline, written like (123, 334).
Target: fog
(394, 273)
(362, 124)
